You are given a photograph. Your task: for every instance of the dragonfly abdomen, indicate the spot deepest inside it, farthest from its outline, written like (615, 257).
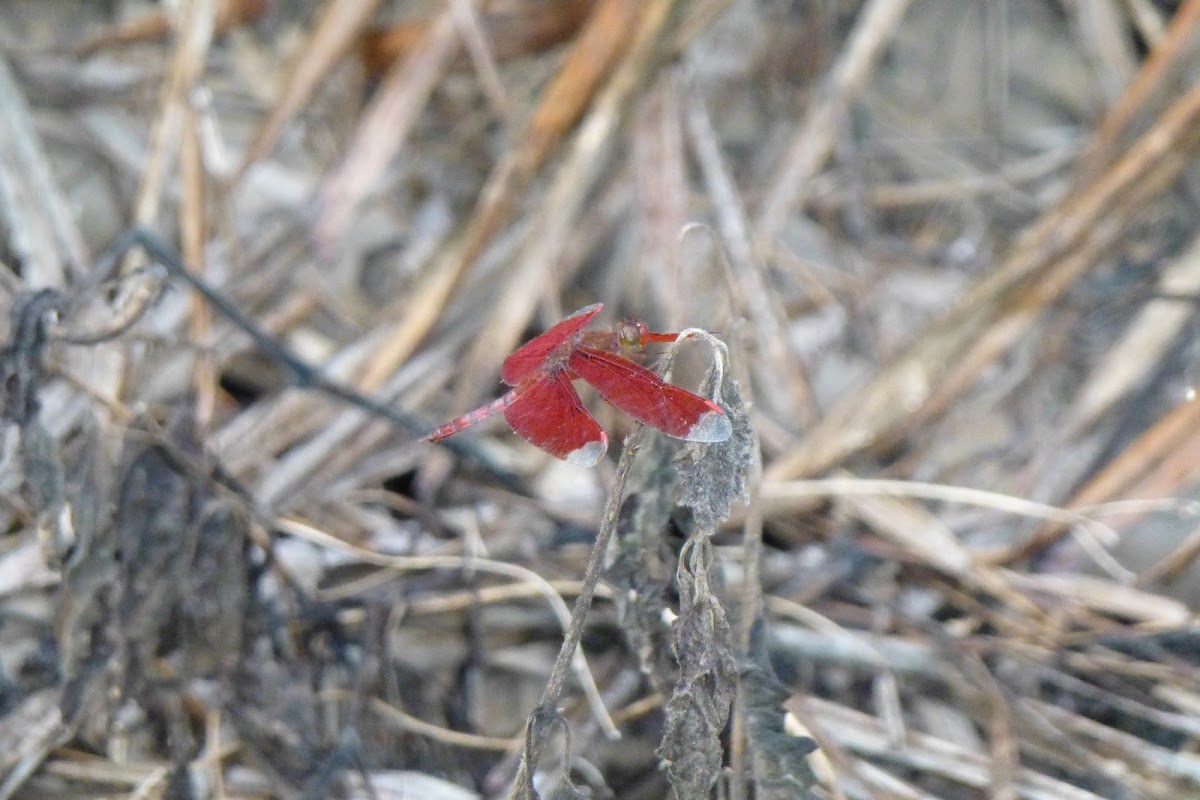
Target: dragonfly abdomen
(472, 417)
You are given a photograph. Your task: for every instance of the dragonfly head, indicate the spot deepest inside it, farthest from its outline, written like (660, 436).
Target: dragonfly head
(631, 335)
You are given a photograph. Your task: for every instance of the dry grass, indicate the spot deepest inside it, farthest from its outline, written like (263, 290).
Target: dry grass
(949, 552)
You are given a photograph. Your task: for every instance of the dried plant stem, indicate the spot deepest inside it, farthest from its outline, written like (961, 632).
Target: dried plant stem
(1173, 45)
(602, 39)
(333, 35)
(404, 721)
(817, 134)
(747, 272)
(474, 38)
(567, 195)
(384, 128)
(1142, 455)
(751, 611)
(571, 621)
(34, 208)
(583, 604)
(186, 68)
(1000, 308)
(194, 233)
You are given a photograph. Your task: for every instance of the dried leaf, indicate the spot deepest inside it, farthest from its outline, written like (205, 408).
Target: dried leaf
(645, 562)
(44, 486)
(88, 482)
(155, 504)
(779, 759)
(87, 597)
(713, 476)
(22, 360)
(215, 591)
(42, 466)
(698, 709)
(704, 477)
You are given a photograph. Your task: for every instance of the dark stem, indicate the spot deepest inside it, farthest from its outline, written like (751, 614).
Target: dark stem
(303, 374)
(583, 604)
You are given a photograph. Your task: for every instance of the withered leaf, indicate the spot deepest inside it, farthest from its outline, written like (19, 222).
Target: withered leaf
(644, 564)
(713, 476)
(22, 359)
(779, 759)
(699, 707)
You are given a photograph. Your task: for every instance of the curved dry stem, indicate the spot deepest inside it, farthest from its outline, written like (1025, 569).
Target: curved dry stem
(591, 576)
(1093, 535)
(577, 661)
(410, 724)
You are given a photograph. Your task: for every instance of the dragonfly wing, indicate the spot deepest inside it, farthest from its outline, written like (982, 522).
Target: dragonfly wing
(549, 414)
(531, 355)
(647, 398)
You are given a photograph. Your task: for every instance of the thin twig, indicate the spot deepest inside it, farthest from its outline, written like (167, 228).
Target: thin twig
(583, 604)
(817, 133)
(572, 625)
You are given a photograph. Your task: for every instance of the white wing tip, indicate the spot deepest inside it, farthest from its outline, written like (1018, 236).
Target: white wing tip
(713, 426)
(590, 454)
(586, 310)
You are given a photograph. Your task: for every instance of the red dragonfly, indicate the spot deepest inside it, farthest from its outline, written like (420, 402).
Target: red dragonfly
(544, 409)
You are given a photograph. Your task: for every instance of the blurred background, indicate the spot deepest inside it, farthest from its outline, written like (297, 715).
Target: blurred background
(950, 244)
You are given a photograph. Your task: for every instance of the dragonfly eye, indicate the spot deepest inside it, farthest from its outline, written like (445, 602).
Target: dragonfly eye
(632, 335)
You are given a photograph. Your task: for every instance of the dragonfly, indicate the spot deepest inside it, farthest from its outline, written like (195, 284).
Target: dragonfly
(545, 410)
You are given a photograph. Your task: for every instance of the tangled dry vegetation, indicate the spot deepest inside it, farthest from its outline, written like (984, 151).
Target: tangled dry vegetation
(948, 552)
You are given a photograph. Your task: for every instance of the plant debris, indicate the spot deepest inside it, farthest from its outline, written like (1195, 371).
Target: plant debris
(251, 252)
